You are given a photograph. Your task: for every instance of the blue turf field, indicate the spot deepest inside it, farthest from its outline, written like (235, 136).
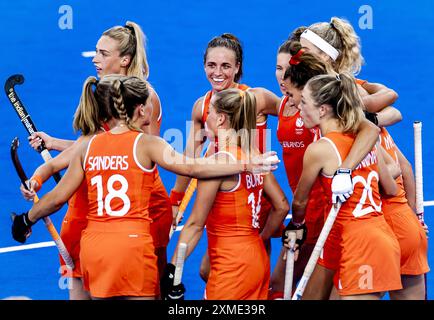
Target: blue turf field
(398, 50)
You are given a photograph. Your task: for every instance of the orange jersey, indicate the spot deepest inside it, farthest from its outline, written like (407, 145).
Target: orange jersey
(117, 251)
(365, 201)
(239, 263)
(401, 218)
(369, 254)
(118, 186)
(295, 138)
(74, 222)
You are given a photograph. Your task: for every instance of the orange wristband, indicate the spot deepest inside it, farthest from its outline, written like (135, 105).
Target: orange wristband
(176, 197)
(38, 180)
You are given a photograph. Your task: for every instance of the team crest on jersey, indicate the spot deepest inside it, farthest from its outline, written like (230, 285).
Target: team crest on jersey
(299, 126)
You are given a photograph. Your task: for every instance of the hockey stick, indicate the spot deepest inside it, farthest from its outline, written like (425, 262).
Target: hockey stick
(316, 251)
(184, 203)
(51, 229)
(180, 258)
(24, 116)
(417, 127)
(289, 272)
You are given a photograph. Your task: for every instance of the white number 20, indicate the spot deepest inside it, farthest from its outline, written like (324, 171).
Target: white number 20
(112, 193)
(367, 192)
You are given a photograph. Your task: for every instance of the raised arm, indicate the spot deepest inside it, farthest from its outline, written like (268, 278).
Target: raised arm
(161, 153)
(267, 103)
(379, 96)
(50, 142)
(48, 169)
(366, 138)
(388, 116)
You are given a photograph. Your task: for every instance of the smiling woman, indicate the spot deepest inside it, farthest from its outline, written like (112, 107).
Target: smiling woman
(223, 64)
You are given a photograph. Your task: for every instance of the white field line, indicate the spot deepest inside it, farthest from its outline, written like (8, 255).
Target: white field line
(52, 244)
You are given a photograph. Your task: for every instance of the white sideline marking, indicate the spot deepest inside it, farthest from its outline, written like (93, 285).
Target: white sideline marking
(28, 246)
(52, 244)
(88, 54)
(428, 203)
(43, 245)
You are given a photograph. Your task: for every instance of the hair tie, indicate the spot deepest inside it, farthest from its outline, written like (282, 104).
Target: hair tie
(295, 59)
(131, 29)
(242, 94)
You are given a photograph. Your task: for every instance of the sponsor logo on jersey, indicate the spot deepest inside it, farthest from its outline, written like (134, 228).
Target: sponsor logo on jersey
(293, 144)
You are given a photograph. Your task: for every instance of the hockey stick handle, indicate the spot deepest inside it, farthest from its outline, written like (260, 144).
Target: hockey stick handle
(24, 116)
(179, 264)
(184, 203)
(417, 126)
(316, 251)
(289, 271)
(47, 157)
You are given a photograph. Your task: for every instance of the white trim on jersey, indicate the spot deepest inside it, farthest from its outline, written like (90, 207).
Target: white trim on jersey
(87, 153)
(203, 102)
(135, 157)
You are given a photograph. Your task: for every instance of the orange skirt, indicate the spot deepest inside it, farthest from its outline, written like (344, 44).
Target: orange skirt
(118, 259)
(370, 258)
(240, 269)
(411, 237)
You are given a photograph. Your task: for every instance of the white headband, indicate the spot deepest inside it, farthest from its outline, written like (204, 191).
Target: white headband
(319, 42)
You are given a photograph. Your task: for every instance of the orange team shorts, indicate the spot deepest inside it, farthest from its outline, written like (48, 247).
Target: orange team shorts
(266, 208)
(370, 257)
(240, 269)
(160, 211)
(70, 233)
(411, 237)
(118, 259)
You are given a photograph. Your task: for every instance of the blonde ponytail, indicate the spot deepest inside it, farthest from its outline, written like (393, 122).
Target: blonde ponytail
(88, 116)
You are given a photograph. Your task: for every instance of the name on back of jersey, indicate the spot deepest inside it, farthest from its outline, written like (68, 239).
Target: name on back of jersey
(107, 163)
(369, 160)
(254, 180)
